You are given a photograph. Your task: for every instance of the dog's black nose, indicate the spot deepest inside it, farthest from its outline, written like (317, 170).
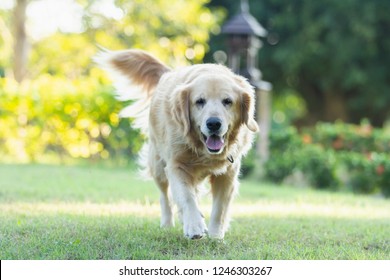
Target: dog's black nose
(213, 124)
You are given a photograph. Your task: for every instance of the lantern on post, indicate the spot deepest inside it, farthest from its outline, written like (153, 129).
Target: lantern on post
(243, 39)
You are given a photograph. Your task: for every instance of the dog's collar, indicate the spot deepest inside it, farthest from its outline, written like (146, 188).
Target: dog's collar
(230, 158)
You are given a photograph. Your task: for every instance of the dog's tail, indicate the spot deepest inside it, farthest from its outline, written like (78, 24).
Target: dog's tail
(135, 74)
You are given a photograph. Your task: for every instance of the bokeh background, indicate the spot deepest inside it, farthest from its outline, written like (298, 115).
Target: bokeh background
(328, 62)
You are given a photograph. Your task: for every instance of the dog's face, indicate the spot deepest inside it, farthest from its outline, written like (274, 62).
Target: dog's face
(213, 111)
(212, 107)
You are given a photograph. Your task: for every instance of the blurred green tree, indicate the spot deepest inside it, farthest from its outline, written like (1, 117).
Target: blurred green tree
(334, 54)
(175, 31)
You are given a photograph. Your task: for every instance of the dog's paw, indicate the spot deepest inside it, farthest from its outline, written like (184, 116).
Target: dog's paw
(216, 231)
(194, 227)
(218, 235)
(167, 223)
(195, 232)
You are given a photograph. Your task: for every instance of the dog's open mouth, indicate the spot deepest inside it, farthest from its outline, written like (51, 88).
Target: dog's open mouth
(214, 143)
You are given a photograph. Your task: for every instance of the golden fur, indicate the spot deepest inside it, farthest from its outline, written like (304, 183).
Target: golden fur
(199, 121)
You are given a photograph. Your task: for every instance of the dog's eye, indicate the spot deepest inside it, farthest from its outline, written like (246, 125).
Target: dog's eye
(200, 102)
(227, 102)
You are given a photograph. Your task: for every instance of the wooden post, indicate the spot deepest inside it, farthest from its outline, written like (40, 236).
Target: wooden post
(263, 116)
(21, 44)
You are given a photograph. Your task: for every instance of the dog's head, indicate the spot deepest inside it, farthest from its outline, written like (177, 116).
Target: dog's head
(213, 107)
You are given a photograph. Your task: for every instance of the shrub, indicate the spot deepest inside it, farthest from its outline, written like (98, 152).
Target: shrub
(54, 118)
(248, 163)
(361, 138)
(364, 152)
(382, 172)
(384, 178)
(284, 145)
(361, 177)
(328, 154)
(319, 165)
(279, 166)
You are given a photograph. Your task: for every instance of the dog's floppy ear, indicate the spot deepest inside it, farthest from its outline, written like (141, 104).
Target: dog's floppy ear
(248, 111)
(181, 108)
(247, 94)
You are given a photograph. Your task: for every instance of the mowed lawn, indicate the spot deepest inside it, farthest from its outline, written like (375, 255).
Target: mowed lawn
(70, 212)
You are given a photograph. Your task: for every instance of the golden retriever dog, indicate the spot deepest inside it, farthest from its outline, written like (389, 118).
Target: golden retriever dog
(199, 122)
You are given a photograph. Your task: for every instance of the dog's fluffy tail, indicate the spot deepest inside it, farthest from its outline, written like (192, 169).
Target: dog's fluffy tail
(135, 74)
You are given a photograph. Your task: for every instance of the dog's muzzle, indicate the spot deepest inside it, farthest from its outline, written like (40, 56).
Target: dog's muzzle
(213, 140)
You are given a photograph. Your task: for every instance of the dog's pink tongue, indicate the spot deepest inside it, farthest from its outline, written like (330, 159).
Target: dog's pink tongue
(214, 142)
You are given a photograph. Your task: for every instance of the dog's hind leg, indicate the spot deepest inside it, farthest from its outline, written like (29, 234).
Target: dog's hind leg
(156, 168)
(167, 218)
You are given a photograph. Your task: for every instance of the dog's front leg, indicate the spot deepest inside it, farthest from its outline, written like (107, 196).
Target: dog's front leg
(184, 194)
(223, 188)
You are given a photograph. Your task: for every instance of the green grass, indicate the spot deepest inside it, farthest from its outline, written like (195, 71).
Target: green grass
(57, 212)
